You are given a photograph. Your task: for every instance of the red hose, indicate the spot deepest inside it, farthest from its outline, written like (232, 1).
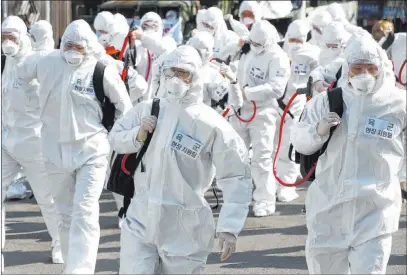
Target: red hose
(401, 70)
(251, 118)
(278, 150)
(126, 41)
(225, 112)
(148, 65)
(123, 165)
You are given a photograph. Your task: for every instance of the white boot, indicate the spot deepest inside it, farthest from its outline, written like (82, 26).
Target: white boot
(120, 222)
(263, 209)
(287, 194)
(57, 254)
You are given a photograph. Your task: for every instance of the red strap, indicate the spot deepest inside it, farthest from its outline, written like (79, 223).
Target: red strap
(251, 118)
(280, 136)
(148, 65)
(400, 72)
(123, 165)
(126, 41)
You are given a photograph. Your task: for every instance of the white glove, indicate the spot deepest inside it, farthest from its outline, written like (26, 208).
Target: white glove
(235, 98)
(227, 72)
(329, 120)
(227, 17)
(148, 124)
(227, 244)
(320, 86)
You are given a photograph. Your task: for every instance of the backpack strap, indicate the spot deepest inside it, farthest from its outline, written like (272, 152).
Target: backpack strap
(98, 76)
(389, 41)
(338, 74)
(335, 100)
(3, 62)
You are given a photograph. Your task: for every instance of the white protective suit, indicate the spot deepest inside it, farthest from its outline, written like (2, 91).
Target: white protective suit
(318, 24)
(215, 86)
(76, 145)
(149, 48)
(354, 204)
(169, 221)
(115, 30)
(397, 53)
(338, 14)
(299, 29)
(334, 34)
(265, 74)
(41, 35)
(21, 131)
(225, 41)
(243, 26)
(303, 61)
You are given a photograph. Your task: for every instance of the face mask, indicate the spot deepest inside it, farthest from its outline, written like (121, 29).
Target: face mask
(104, 39)
(176, 88)
(247, 21)
(294, 46)
(362, 84)
(73, 58)
(256, 50)
(10, 48)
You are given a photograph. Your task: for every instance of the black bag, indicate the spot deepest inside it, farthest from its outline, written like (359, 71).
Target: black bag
(308, 161)
(3, 62)
(121, 180)
(108, 108)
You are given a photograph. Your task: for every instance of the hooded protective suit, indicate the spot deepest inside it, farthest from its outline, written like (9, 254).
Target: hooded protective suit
(318, 24)
(334, 35)
(397, 53)
(298, 29)
(215, 86)
(76, 145)
(303, 61)
(169, 221)
(41, 35)
(338, 14)
(243, 26)
(21, 129)
(263, 74)
(354, 204)
(225, 41)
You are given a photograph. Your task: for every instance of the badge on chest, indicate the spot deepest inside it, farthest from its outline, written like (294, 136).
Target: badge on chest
(379, 128)
(300, 69)
(186, 145)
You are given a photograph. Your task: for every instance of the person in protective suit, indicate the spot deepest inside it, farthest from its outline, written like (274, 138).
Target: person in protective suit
(262, 75)
(249, 12)
(169, 225)
(319, 22)
(21, 129)
(354, 204)
(41, 36)
(75, 143)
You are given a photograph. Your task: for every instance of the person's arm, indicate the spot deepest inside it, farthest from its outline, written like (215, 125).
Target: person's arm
(123, 136)
(230, 157)
(304, 136)
(402, 174)
(137, 85)
(115, 90)
(158, 46)
(274, 87)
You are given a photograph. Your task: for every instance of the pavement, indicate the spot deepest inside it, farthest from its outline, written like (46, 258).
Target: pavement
(270, 245)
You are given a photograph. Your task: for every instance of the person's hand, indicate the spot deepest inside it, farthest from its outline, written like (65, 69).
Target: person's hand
(242, 41)
(235, 97)
(148, 124)
(227, 244)
(329, 120)
(136, 34)
(320, 86)
(227, 72)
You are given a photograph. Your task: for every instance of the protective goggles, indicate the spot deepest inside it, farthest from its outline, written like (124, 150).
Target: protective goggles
(177, 72)
(74, 46)
(332, 46)
(149, 25)
(206, 25)
(359, 67)
(10, 36)
(295, 40)
(255, 44)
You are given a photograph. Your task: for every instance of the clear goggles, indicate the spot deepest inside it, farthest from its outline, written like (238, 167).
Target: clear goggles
(255, 44)
(206, 25)
(317, 29)
(10, 36)
(73, 46)
(182, 74)
(295, 40)
(358, 68)
(149, 25)
(332, 45)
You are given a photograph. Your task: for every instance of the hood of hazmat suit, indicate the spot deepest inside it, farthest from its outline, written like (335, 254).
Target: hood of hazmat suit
(41, 35)
(190, 141)
(262, 74)
(357, 183)
(21, 124)
(211, 20)
(334, 40)
(338, 14)
(249, 12)
(318, 24)
(297, 33)
(215, 86)
(111, 29)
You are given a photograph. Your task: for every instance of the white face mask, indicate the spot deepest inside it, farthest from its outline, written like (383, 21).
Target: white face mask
(294, 46)
(362, 84)
(73, 58)
(104, 39)
(247, 21)
(10, 48)
(256, 50)
(176, 88)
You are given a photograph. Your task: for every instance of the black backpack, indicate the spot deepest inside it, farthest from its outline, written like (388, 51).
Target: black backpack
(121, 180)
(108, 108)
(308, 161)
